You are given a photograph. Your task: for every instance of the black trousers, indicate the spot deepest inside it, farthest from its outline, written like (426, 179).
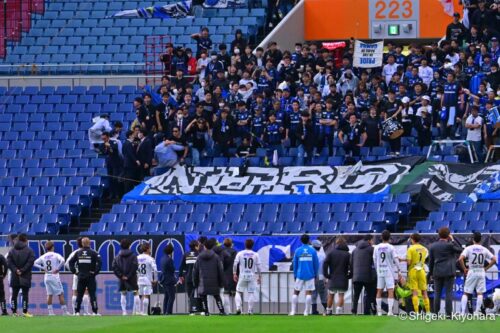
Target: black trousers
(15, 295)
(3, 305)
(131, 179)
(190, 295)
(395, 145)
(168, 299)
(218, 301)
(329, 141)
(115, 186)
(90, 284)
(441, 283)
(369, 301)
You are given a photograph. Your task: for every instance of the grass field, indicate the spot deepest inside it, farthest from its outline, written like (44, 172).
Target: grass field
(240, 324)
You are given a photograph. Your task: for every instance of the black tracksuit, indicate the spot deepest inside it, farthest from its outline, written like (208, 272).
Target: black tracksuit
(86, 263)
(125, 264)
(3, 274)
(21, 257)
(186, 272)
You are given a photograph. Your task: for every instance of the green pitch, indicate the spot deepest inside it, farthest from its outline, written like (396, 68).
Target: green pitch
(240, 324)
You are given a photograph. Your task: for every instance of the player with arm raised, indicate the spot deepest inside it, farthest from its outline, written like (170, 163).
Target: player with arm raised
(51, 263)
(86, 300)
(146, 276)
(385, 261)
(247, 263)
(476, 255)
(417, 280)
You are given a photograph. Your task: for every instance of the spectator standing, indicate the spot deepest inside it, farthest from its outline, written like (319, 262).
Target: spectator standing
(456, 30)
(197, 133)
(319, 284)
(223, 134)
(101, 125)
(203, 41)
(305, 135)
(168, 280)
(114, 162)
(423, 125)
(442, 268)
(167, 152)
(474, 125)
(355, 136)
(208, 276)
(144, 154)
(336, 270)
(131, 163)
(373, 128)
(229, 254)
(449, 104)
(364, 275)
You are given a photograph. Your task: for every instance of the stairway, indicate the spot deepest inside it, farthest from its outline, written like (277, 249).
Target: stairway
(86, 220)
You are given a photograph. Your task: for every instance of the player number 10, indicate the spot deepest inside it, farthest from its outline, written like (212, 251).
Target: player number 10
(393, 9)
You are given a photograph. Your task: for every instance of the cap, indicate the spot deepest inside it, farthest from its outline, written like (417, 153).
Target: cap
(456, 15)
(427, 98)
(316, 244)
(494, 39)
(405, 100)
(304, 114)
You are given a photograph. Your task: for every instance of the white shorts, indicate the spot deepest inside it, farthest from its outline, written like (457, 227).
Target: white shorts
(246, 285)
(145, 290)
(385, 281)
(54, 287)
(475, 282)
(306, 285)
(75, 282)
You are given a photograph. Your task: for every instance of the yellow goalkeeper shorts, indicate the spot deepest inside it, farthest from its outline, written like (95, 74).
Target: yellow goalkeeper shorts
(417, 279)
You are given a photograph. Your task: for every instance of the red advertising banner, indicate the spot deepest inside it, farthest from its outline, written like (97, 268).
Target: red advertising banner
(13, 20)
(2, 31)
(26, 15)
(38, 6)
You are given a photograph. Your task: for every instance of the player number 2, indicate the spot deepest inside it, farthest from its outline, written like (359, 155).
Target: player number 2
(248, 263)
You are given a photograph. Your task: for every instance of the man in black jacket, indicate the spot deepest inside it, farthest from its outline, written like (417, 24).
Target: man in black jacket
(305, 136)
(442, 268)
(223, 134)
(3, 273)
(364, 275)
(186, 272)
(114, 164)
(208, 276)
(336, 269)
(145, 154)
(125, 267)
(229, 254)
(168, 280)
(86, 263)
(20, 261)
(131, 163)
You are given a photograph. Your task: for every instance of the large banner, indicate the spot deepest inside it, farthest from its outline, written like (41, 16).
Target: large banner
(284, 184)
(176, 10)
(368, 55)
(223, 3)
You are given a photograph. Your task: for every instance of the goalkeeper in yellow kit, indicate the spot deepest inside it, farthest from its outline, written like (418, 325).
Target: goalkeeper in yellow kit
(417, 280)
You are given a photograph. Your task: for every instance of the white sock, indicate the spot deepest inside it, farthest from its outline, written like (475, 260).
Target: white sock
(73, 303)
(123, 303)
(227, 303)
(464, 303)
(51, 309)
(295, 300)
(86, 303)
(379, 305)
(390, 302)
(250, 302)
(338, 310)
(145, 305)
(308, 304)
(238, 301)
(137, 304)
(64, 308)
(479, 303)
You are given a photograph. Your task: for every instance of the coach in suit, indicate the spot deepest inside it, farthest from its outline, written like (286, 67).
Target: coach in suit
(442, 267)
(145, 154)
(131, 163)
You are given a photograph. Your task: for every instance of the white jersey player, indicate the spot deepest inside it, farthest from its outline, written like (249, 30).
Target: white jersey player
(86, 299)
(246, 271)
(146, 276)
(51, 263)
(477, 256)
(386, 263)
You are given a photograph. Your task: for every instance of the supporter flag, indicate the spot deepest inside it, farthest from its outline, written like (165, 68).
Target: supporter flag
(176, 10)
(223, 3)
(447, 6)
(3, 31)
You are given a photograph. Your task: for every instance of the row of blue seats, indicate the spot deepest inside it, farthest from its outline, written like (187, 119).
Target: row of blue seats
(68, 99)
(65, 108)
(52, 163)
(53, 172)
(481, 206)
(207, 228)
(67, 90)
(82, 49)
(13, 213)
(45, 136)
(48, 224)
(353, 207)
(44, 153)
(48, 145)
(457, 226)
(26, 181)
(61, 195)
(377, 217)
(491, 215)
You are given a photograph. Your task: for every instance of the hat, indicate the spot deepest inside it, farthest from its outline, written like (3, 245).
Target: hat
(494, 39)
(305, 114)
(456, 15)
(427, 98)
(405, 100)
(316, 244)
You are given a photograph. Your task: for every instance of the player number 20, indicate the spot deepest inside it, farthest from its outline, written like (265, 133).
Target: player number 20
(393, 9)
(478, 259)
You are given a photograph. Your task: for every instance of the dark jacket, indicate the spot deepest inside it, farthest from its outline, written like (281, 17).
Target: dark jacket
(187, 265)
(126, 264)
(208, 273)
(3, 268)
(113, 159)
(307, 139)
(145, 152)
(129, 155)
(443, 258)
(167, 271)
(362, 263)
(21, 257)
(227, 256)
(86, 263)
(221, 137)
(336, 268)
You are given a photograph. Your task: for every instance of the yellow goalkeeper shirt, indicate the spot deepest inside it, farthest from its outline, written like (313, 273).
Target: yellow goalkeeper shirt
(416, 256)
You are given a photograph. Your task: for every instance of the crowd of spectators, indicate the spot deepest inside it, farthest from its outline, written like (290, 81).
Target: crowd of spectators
(215, 101)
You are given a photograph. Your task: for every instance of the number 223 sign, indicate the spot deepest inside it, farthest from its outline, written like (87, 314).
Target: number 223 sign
(401, 10)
